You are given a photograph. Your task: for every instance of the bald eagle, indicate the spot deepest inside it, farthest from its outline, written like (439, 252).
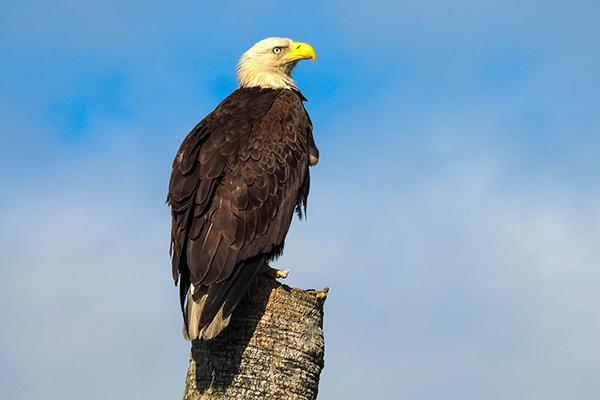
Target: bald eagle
(236, 182)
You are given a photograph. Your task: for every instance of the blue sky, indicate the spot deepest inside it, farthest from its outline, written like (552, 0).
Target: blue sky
(455, 211)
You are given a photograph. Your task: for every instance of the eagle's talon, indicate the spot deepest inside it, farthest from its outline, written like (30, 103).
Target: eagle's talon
(276, 273)
(282, 273)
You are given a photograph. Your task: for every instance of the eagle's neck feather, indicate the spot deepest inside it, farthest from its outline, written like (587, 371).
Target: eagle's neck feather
(251, 74)
(266, 80)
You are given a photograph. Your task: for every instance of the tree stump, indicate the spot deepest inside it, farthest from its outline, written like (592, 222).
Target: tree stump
(273, 348)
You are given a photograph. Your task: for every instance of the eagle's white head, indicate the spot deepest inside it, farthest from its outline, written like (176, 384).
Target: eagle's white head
(269, 63)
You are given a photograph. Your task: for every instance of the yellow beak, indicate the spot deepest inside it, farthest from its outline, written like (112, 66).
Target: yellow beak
(301, 51)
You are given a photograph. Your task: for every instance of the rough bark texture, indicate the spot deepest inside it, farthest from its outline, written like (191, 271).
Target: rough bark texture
(272, 349)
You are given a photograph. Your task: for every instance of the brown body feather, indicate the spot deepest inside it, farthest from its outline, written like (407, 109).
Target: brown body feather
(236, 181)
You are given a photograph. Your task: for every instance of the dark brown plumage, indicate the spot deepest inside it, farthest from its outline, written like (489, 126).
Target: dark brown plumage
(237, 179)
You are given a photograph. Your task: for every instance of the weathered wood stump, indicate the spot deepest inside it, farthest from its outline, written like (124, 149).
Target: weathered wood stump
(273, 348)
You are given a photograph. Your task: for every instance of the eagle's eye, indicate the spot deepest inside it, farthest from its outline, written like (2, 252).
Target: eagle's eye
(277, 50)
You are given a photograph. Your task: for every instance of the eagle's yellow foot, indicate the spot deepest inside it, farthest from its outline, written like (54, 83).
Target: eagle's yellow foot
(276, 273)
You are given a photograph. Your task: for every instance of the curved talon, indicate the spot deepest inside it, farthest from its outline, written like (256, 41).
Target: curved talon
(282, 273)
(276, 273)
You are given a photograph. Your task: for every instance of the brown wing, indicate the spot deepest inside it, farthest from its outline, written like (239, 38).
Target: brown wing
(236, 181)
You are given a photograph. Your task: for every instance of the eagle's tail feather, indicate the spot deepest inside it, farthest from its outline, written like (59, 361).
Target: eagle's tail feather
(209, 308)
(191, 320)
